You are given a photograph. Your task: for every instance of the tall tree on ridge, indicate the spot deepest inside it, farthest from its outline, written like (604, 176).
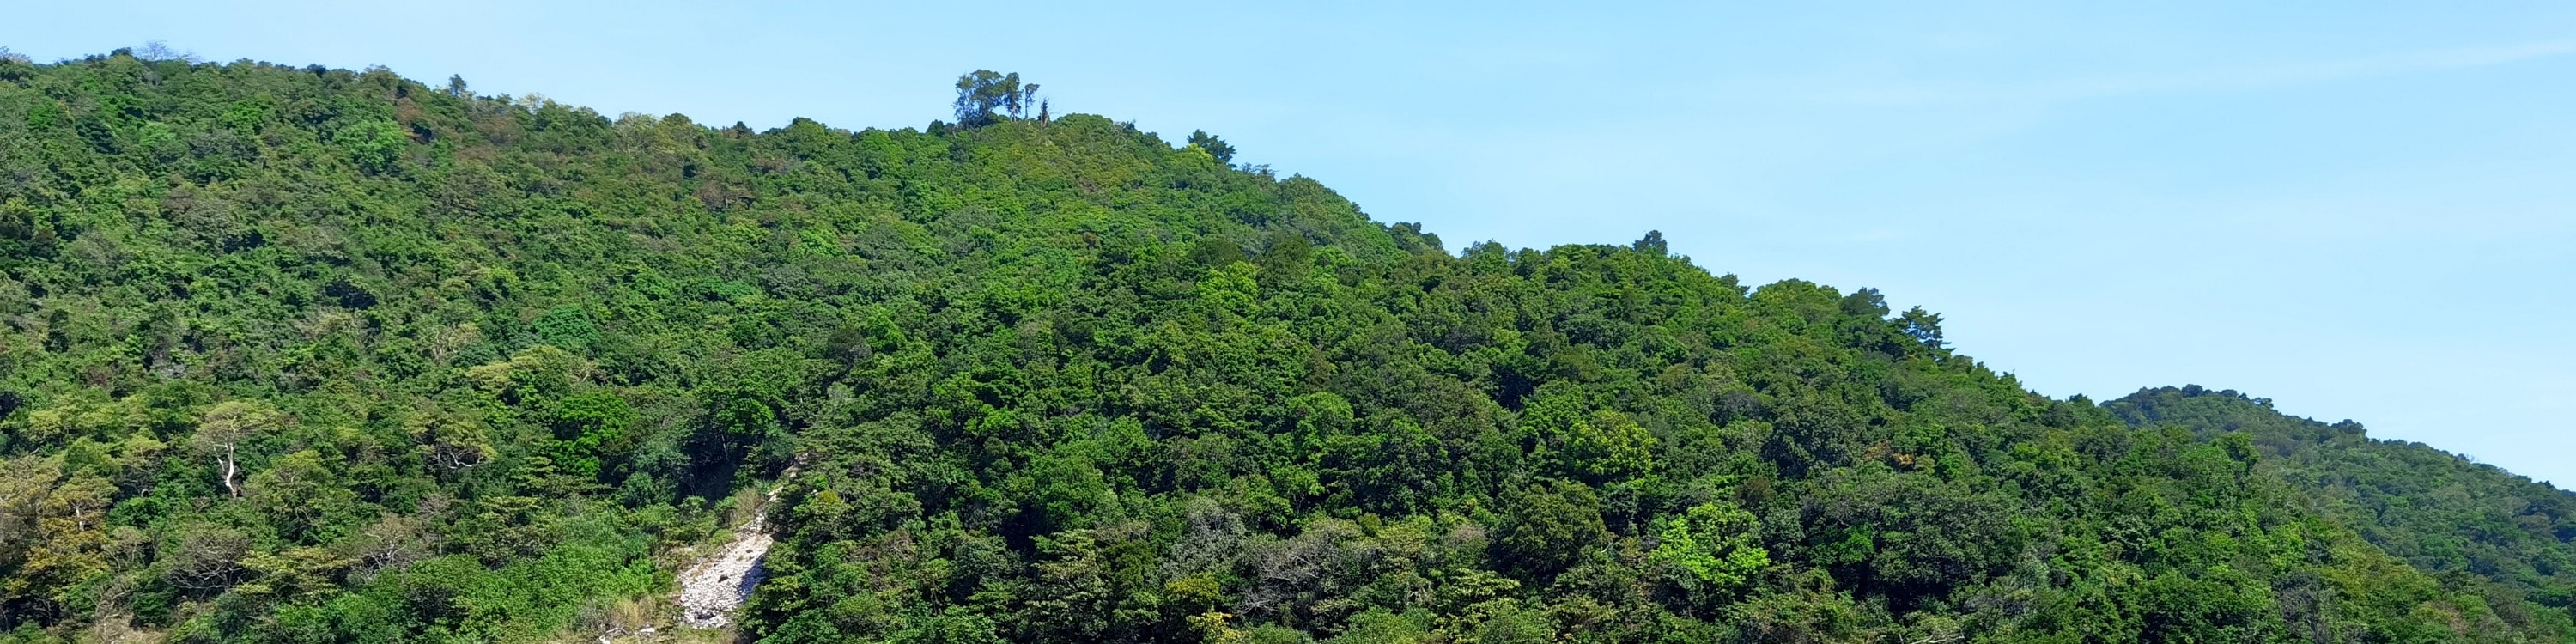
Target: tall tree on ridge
(981, 93)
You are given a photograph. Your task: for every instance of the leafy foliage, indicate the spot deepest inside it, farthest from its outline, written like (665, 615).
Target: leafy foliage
(301, 354)
(982, 92)
(1215, 147)
(2437, 511)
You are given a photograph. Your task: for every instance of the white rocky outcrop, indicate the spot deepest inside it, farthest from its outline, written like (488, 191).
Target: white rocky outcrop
(713, 587)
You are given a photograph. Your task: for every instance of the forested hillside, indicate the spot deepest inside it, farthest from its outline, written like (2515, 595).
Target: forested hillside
(314, 355)
(2436, 510)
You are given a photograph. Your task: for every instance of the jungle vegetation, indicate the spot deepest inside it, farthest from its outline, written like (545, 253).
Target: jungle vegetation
(299, 354)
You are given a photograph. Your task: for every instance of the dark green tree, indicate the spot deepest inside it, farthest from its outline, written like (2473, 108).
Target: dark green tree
(985, 97)
(1214, 146)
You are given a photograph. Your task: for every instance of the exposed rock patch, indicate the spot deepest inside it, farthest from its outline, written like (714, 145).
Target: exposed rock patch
(713, 587)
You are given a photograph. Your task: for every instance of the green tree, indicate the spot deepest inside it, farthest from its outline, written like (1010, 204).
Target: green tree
(1710, 552)
(1547, 529)
(982, 92)
(227, 429)
(1215, 147)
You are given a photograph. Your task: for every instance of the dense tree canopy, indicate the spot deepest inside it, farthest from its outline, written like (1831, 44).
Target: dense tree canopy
(2437, 511)
(307, 355)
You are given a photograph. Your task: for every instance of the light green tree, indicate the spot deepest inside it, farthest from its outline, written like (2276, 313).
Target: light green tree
(225, 427)
(1710, 552)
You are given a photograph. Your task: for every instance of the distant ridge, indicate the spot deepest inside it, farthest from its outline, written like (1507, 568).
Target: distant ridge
(2439, 511)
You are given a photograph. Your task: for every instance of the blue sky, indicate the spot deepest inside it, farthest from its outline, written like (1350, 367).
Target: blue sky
(2362, 210)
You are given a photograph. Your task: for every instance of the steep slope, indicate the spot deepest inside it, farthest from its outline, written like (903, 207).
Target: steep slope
(317, 355)
(2436, 510)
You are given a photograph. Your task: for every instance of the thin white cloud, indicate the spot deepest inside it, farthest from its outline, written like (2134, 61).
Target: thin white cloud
(2207, 81)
